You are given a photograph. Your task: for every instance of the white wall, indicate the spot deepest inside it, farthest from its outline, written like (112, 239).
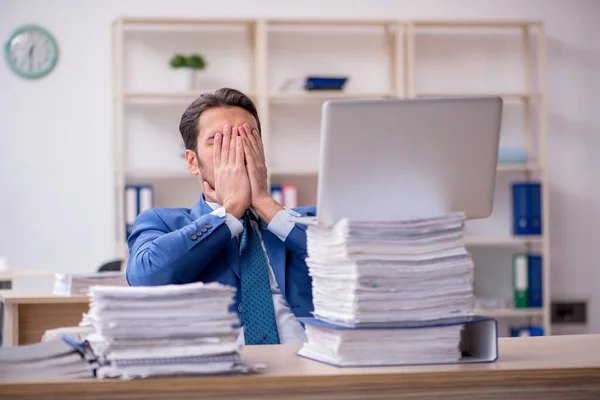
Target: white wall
(56, 204)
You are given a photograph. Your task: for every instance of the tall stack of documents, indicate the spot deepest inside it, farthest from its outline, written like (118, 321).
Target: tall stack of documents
(164, 330)
(55, 359)
(388, 292)
(79, 283)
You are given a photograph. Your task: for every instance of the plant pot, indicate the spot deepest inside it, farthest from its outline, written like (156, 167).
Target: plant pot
(184, 79)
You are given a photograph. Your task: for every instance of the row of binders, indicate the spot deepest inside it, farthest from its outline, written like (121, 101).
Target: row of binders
(138, 198)
(286, 194)
(394, 293)
(527, 280)
(527, 208)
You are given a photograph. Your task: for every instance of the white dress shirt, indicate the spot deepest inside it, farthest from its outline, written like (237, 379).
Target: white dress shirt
(290, 330)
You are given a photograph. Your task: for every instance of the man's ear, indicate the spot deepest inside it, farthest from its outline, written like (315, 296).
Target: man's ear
(191, 160)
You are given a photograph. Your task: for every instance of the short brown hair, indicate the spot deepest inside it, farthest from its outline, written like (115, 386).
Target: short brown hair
(224, 97)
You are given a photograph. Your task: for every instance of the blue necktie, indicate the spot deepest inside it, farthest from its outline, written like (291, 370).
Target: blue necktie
(258, 313)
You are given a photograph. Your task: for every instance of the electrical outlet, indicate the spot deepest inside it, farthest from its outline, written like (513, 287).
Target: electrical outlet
(569, 312)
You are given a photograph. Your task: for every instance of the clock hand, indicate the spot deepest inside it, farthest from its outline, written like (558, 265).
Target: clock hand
(30, 56)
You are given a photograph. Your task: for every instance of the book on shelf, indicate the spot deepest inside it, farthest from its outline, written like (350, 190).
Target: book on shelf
(285, 194)
(138, 198)
(527, 208)
(512, 155)
(527, 280)
(521, 331)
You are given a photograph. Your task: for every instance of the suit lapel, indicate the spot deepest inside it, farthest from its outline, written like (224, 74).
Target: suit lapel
(232, 251)
(276, 252)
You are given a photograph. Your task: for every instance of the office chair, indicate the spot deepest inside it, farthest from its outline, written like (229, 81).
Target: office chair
(111, 266)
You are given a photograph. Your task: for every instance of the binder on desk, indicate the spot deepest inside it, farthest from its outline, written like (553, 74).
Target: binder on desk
(478, 339)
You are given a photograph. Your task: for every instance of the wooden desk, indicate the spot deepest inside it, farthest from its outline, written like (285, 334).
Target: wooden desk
(28, 315)
(554, 367)
(10, 274)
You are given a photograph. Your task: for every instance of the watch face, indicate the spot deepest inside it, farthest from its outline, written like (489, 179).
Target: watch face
(31, 52)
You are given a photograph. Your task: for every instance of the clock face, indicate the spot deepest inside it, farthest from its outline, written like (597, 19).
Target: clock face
(31, 52)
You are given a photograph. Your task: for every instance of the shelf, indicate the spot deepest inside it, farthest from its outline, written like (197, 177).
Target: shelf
(159, 24)
(506, 96)
(475, 24)
(502, 241)
(519, 167)
(502, 167)
(157, 173)
(163, 97)
(510, 312)
(306, 172)
(303, 96)
(330, 22)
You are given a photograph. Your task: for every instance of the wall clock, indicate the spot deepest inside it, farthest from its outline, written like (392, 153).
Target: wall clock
(31, 51)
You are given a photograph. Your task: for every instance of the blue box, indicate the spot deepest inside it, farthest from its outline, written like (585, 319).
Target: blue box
(536, 331)
(325, 83)
(527, 208)
(533, 330)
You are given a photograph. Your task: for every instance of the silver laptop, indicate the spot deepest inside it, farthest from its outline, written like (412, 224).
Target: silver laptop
(404, 159)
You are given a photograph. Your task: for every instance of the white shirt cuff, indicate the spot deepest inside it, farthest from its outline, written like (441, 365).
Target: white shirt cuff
(282, 224)
(235, 225)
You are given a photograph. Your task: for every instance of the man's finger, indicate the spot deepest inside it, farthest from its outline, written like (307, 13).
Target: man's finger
(239, 149)
(251, 139)
(234, 136)
(225, 146)
(208, 190)
(249, 152)
(261, 149)
(217, 150)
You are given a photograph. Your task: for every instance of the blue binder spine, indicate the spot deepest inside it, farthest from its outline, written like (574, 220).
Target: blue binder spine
(535, 281)
(527, 208)
(276, 193)
(520, 215)
(535, 208)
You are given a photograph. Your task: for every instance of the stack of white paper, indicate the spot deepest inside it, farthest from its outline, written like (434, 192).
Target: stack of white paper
(377, 274)
(164, 330)
(55, 359)
(390, 346)
(79, 284)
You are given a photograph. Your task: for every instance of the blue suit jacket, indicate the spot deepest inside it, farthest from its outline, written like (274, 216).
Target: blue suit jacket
(181, 245)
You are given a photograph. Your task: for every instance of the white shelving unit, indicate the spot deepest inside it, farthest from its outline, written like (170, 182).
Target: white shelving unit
(384, 59)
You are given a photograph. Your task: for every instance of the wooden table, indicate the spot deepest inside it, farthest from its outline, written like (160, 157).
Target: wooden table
(554, 367)
(27, 315)
(13, 273)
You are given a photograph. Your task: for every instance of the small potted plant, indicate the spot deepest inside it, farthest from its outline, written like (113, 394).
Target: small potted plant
(186, 68)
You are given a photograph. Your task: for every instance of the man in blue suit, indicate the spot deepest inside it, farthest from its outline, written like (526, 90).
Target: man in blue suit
(236, 234)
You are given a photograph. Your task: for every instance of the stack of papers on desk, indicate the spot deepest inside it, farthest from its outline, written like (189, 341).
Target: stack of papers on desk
(55, 359)
(164, 330)
(393, 276)
(79, 284)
